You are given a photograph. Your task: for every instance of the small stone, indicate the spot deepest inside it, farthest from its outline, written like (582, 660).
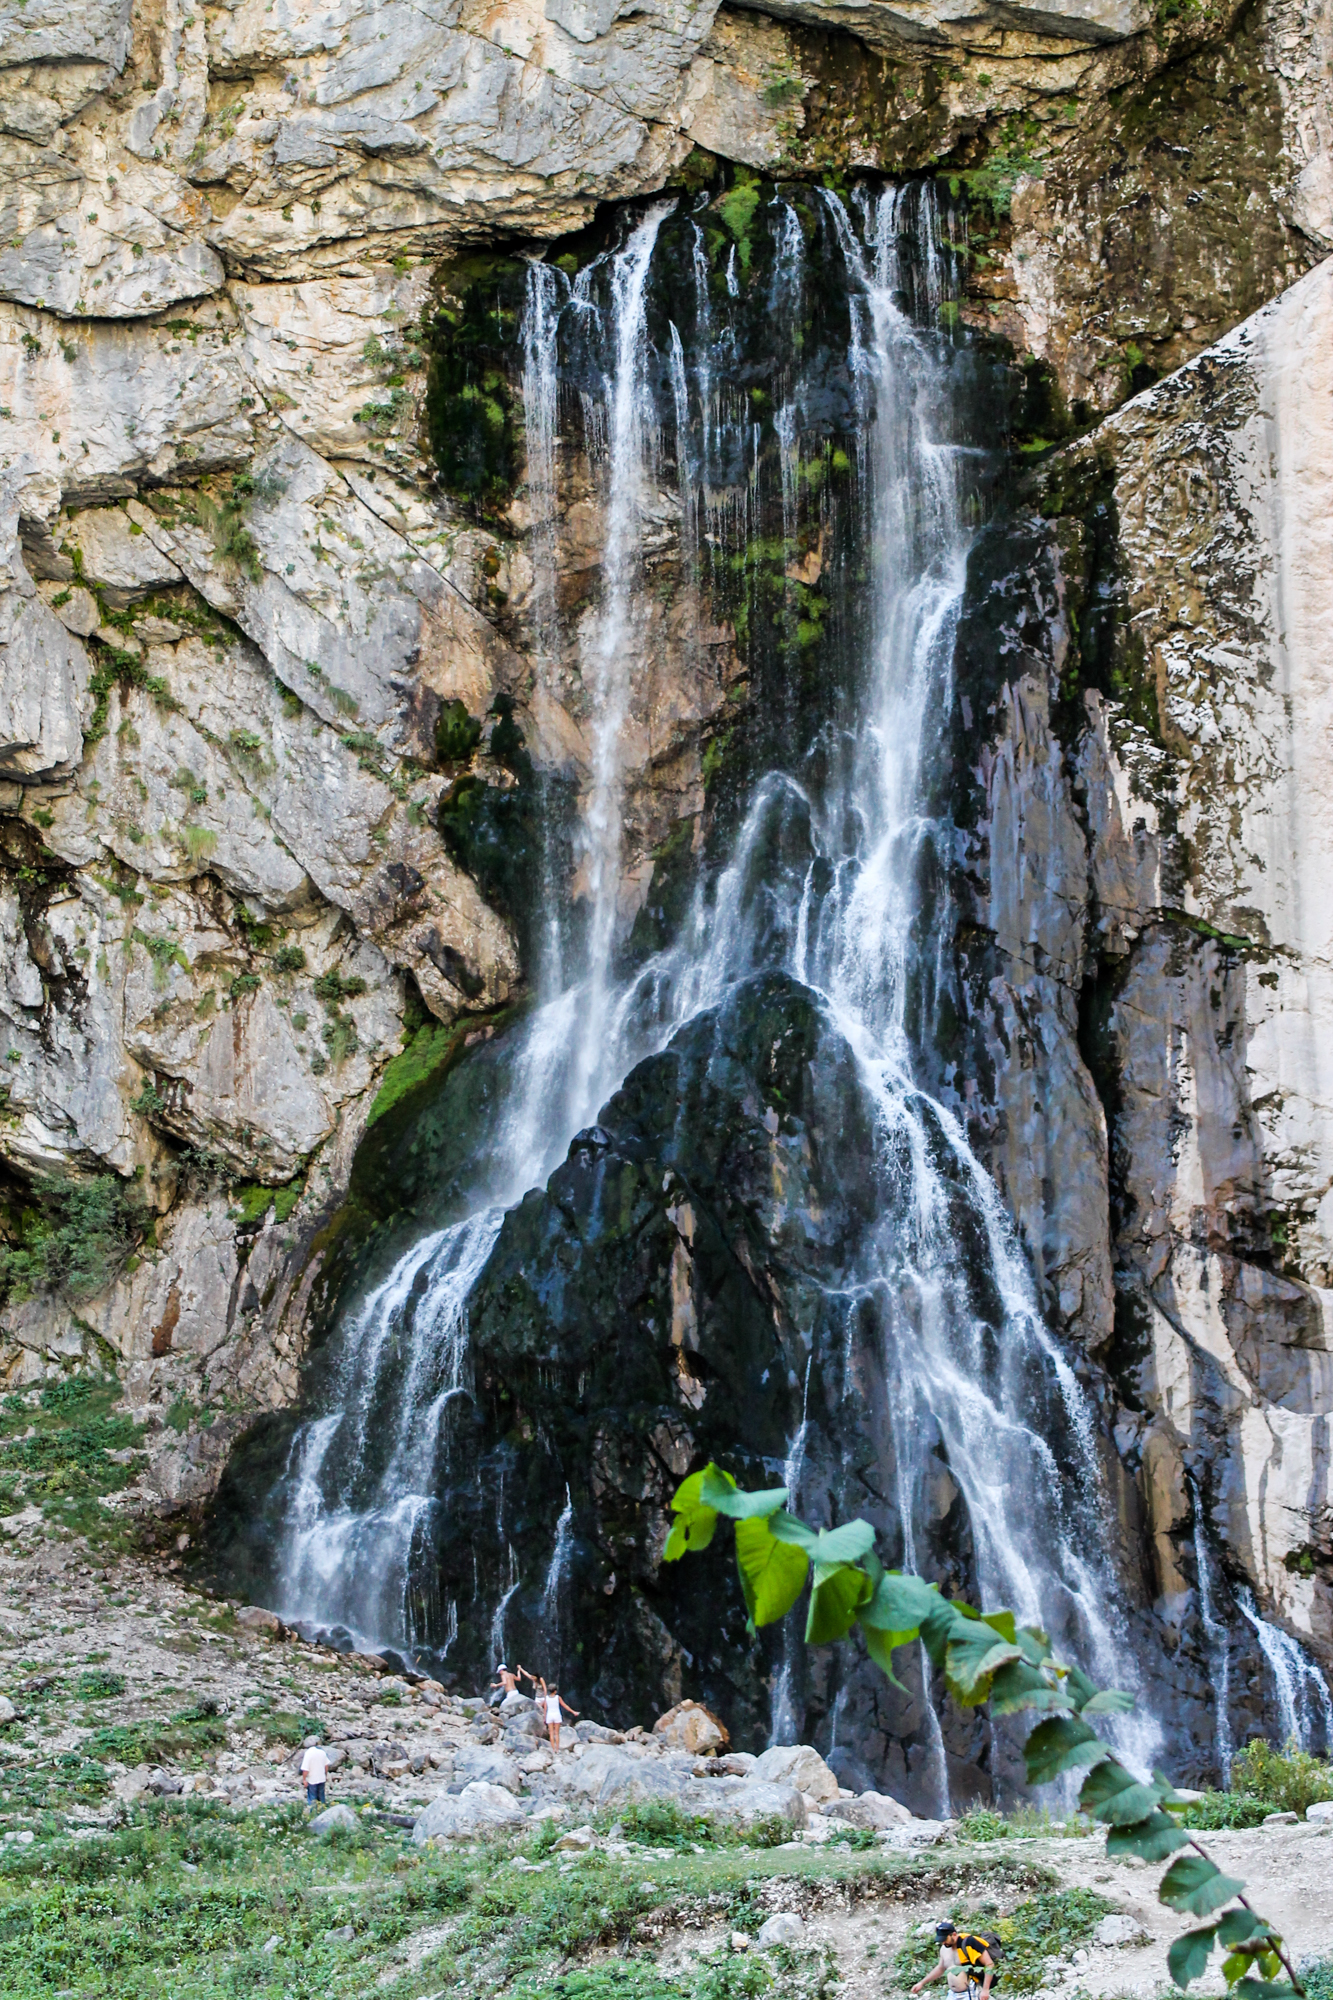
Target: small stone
(345, 1934)
(7, 1709)
(579, 1840)
(783, 1927)
(1283, 1819)
(740, 1941)
(270, 1945)
(331, 1817)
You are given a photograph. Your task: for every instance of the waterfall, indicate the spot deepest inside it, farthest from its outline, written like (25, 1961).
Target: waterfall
(630, 418)
(546, 291)
(1219, 1645)
(1301, 1690)
(973, 1379)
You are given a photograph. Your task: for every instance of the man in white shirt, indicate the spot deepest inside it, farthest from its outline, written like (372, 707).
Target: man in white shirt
(315, 1771)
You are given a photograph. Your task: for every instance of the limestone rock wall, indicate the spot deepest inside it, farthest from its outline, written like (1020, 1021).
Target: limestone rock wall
(1150, 862)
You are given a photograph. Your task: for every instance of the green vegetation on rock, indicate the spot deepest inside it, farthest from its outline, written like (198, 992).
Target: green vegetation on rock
(55, 1453)
(70, 1237)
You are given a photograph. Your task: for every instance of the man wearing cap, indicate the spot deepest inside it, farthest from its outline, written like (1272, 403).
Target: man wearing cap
(965, 1961)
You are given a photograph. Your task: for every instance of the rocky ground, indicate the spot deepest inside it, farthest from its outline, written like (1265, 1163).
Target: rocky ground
(152, 1840)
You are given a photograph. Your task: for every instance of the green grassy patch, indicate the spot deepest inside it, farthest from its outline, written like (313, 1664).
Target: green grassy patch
(184, 1738)
(55, 1453)
(181, 1901)
(1045, 1926)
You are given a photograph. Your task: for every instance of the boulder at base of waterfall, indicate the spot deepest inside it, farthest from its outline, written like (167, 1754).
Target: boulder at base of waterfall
(254, 1618)
(458, 1816)
(606, 1775)
(875, 1810)
(475, 1762)
(783, 1927)
(1283, 1819)
(333, 1818)
(797, 1764)
(746, 1800)
(690, 1726)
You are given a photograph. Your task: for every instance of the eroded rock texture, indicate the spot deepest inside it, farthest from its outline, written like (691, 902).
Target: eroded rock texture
(1149, 864)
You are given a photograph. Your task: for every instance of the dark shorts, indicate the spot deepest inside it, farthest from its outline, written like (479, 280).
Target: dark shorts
(314, 1795)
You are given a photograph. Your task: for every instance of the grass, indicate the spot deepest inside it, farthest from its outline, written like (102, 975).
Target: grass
(983, 1823)
(55, 1453)
(179, 1902)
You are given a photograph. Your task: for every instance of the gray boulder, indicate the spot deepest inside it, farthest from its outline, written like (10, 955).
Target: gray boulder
(480, 1764)
(875, 1810)
(797, 1764)
(332, 1817)
(745, 1800)
(606, 1775)
(1118, 1929)
(458, 1816)
(783, 1927)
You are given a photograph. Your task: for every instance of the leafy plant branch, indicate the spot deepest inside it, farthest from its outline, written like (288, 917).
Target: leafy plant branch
(987, 1657)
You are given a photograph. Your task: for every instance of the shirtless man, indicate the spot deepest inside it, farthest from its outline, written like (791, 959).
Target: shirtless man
(962, 1972)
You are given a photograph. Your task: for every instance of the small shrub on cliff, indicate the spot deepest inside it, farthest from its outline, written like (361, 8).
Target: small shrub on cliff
(1292, 1778)
(71, 1238)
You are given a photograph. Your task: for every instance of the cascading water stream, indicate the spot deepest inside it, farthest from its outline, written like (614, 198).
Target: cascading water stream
(1303, 1699)
(974, 1381)
(1215, 1633)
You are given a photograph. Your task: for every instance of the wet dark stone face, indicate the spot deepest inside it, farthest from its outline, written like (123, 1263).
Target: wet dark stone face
(657, 1304)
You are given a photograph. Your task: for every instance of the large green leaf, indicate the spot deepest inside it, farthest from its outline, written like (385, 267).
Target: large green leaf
(846, 1544)
(1001, 1622)
(1241, 1927)
(1019, 1685)
(773, 1573)
(900, 1603)
(943, 1622)
(1189, 1955)
(1152, 1838)
(1108, 1701)
(971, 1658)
(1196, 1885)
(695, 1522)
(838, 1592)
(1033, 1644)
(1062, 1743)
(880, 1646)
(789, 1528)
(719, 1490)
(1114, 1796)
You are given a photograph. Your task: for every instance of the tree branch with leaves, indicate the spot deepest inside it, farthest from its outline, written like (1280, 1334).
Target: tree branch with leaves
(988, 1658)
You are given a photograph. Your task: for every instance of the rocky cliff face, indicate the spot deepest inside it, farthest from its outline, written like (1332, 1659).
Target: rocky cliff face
(269, 603)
